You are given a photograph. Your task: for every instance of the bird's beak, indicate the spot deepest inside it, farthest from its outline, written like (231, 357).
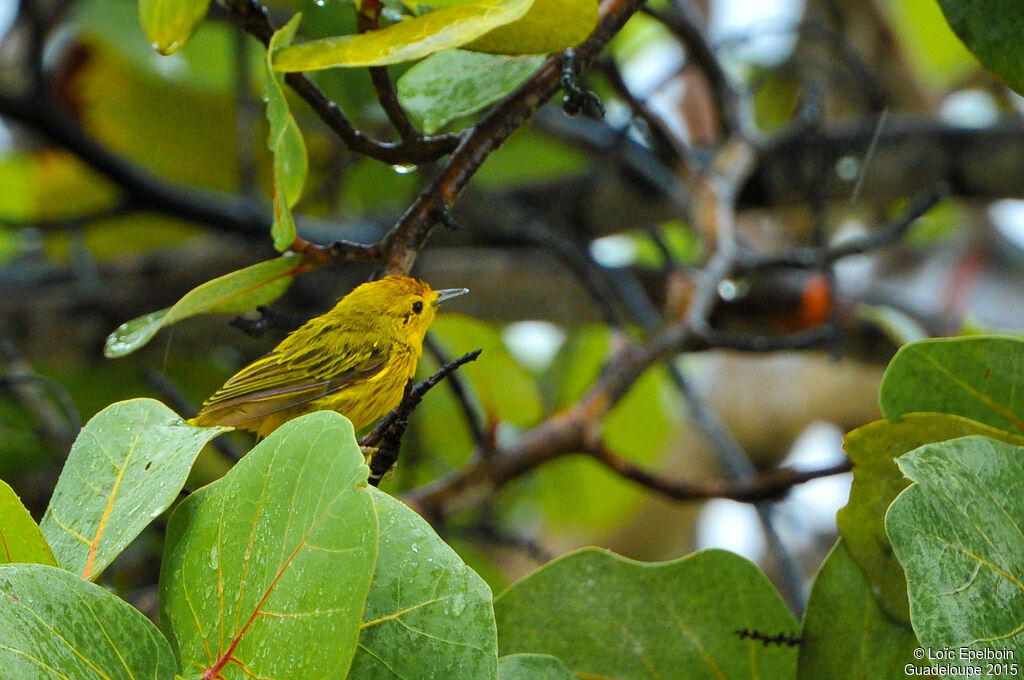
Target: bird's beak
(448, 294)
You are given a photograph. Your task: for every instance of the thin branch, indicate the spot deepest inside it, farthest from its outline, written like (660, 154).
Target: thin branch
(460, 392)
(666, 146)
(407, 238)
(753, 488)
(367, 20)
(47, 402)
(256, 21)
(685, 23)
(142, 189)
(888, 234)
(387, 435)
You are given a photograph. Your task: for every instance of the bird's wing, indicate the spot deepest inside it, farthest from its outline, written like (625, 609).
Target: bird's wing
(284, 379)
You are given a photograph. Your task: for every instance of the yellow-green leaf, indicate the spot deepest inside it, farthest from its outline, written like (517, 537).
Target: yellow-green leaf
(405, 41)
(169, 23)
(549, 26)
(291, 162)
(20, 537)
(125, 468)
(236, 292)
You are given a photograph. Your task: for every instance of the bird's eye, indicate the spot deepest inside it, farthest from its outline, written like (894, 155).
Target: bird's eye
(417, 307)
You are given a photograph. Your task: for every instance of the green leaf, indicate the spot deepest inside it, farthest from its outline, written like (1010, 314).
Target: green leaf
(846, 635)
(991, 30)
(291, 163)
(957, 533)
(55, 625)
(126, 467)
(938, 58)
(505, 390)
(596, 497)
(232, 293)
(549, 26)
(532, 667)
(576, 365)
(876, 483)
(608, 616)
(405, 41)
(428, 614)
(268, 568)
(201, 65)
(456, 83)
(895, 324)
(528, 158)
(20, 537)
(169, 23)
(976, 377)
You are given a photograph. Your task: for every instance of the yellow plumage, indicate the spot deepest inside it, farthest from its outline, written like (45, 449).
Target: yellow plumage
(355, 359)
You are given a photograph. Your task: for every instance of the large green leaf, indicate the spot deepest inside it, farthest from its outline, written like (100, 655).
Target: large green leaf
(977, 377)
(991, 30)
(456, 83)
(846, 635)
(126, 467)
(169, 23)
(56, 625)
(549, 26)
(405, 41)
(428, 614)
(291, 163)
(532, 667)
(232, 293)
(606, 616)
(266, 571)
(20, 537)
(957, 533)
(876, 483)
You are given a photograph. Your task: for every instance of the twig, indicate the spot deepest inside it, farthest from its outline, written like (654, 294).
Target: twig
(367, 20)
(747, 489)
(685, 24)
(406, 239)
(491, 533)
(268, 319)
(57, 417)
(338, 251)
(256, 21)
(806, 258)
(669, 150)
(142, 189)
(387, 435)
(779, 639)
(458, 389)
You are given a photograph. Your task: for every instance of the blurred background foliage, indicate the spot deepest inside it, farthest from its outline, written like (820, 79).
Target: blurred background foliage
(847, 103)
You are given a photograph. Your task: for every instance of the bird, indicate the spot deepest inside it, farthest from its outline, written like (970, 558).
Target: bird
(355, 359)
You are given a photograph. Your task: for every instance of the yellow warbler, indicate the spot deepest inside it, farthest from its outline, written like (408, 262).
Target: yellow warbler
(355, 359)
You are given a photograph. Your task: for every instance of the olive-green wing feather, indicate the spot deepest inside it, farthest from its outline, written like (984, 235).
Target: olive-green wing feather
(284, 379)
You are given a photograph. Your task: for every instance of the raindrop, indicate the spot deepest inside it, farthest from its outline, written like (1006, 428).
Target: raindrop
(848, 168)
(403, 169)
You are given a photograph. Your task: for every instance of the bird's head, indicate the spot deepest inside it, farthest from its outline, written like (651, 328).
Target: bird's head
(401, 306)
